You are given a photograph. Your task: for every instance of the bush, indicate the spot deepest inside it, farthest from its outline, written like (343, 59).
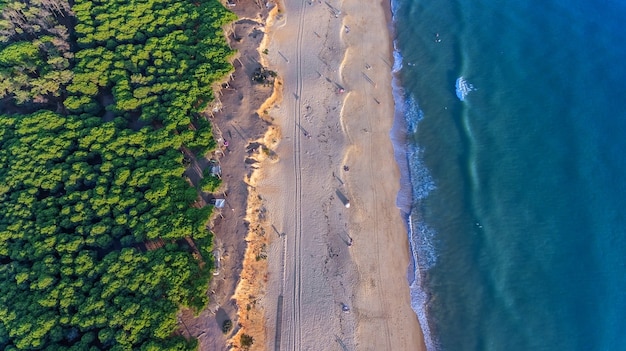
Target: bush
(210, 183)
(227, 326)
(246, 340)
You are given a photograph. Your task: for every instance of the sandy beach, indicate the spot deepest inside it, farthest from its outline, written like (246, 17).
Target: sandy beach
(312, 250)
(328, 249)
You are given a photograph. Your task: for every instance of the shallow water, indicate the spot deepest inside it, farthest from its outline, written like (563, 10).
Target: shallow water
(518, 191)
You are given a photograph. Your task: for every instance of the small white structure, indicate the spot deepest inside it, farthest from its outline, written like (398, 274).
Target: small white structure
(217, 255)
(216, 171)
(219, 203)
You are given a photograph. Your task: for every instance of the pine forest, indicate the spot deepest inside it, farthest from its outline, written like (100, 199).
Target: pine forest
(98, 98)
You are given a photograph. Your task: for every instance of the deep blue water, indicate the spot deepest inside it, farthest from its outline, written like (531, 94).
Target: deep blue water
(518, 219)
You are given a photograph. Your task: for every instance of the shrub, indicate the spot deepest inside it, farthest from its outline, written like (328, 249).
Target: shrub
(227, 326)
(246, 340)
(210, 183)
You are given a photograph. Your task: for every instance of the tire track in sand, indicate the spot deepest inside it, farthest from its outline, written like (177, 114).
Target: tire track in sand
(296, 328)
(382, 297)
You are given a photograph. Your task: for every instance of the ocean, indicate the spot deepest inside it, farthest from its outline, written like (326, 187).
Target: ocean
(515, 121)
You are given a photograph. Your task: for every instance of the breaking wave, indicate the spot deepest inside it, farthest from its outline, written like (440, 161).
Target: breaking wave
(415, 184)
(463, 88)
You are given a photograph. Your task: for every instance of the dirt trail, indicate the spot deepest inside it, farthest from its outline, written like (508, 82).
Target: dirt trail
(238, 123)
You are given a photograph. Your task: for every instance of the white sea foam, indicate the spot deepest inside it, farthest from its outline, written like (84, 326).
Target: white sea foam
(404, 200)
(397, 60)
(423, 253)
(463, 88)
(419, 296)
(415, 184)
(421, 239)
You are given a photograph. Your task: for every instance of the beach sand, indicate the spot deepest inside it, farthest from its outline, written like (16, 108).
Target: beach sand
(298, 269)
(328, 250)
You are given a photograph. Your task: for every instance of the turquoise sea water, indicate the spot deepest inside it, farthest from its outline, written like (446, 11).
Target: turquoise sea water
(518, 219)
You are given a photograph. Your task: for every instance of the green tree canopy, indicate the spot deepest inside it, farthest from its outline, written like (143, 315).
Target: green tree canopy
(99, 243)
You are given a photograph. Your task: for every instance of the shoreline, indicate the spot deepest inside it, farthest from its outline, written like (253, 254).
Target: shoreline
(419, 297)
(398, 218)
(314, 271)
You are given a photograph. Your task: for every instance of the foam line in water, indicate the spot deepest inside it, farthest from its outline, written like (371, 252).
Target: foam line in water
(415, 184)
(419, 295)
(463, 88)
(404, 200)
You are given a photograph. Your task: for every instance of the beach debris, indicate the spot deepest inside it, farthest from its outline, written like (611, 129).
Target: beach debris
(346, 168)
(347, 29)
(346, 238)
(341, 343)
(333, 10)
(277, 232)
(344, 200)
(338, 179)
(368, 79)
(304, 131)
(345, 308)
(283, 56)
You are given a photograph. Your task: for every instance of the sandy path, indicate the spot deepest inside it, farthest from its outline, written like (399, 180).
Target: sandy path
(334, 59)
(238, 123)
